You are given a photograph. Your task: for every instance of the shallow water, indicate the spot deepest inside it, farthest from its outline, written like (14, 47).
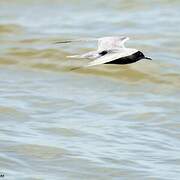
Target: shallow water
(105, 122)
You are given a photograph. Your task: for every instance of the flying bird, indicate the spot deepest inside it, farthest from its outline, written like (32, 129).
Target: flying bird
(110, 50)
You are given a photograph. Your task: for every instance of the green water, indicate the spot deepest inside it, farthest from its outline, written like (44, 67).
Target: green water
(105, 122)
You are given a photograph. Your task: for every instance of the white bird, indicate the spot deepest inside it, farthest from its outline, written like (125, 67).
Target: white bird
(111, 50)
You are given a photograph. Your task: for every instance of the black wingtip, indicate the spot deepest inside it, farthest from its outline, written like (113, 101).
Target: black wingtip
(75, 68)
(62, 42)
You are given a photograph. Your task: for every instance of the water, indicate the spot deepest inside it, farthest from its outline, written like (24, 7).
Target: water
(106, 122)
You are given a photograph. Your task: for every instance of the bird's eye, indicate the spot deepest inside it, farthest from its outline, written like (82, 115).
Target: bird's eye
(141, 54)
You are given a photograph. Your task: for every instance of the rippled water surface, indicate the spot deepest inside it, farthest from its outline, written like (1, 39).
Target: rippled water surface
(104, 122)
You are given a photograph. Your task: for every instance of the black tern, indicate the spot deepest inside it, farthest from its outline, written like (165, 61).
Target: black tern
(111, 50)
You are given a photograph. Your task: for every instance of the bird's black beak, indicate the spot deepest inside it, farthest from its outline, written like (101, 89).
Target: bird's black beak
(148, 58)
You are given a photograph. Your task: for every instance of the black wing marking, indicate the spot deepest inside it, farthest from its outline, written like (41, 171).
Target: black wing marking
(102, 53)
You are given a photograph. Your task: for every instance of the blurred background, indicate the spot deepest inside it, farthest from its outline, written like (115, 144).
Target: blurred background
(104, 122)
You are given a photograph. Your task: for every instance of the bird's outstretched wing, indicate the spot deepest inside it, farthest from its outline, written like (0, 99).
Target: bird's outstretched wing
(104, 43)
(77, 40)
(89, 55)
(111, 47)
(111, 57)
(107, 43)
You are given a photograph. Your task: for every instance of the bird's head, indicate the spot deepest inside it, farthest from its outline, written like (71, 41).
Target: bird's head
(139, 55)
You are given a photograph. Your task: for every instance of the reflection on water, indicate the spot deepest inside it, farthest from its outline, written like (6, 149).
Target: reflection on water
(105, 122)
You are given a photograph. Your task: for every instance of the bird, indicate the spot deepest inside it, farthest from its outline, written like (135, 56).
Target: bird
(110, 50)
